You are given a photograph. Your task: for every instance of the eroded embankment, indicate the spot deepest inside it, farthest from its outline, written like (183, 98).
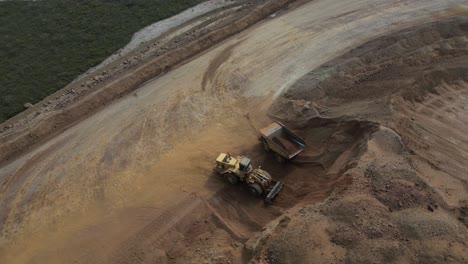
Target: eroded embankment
(53, 122)
(407, 197)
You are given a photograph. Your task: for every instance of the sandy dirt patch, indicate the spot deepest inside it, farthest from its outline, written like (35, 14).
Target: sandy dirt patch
(133, 184)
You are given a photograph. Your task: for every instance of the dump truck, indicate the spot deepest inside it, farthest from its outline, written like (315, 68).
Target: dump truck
(239, 169)
(281, 141)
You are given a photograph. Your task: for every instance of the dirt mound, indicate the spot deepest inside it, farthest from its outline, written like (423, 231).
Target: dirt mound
(400, 189)
(410, 64)
(406, 198)
(359, 225)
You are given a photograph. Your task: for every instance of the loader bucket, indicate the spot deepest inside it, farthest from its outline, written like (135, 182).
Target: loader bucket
(274, 191)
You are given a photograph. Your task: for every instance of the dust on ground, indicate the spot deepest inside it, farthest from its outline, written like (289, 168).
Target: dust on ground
(133, 184)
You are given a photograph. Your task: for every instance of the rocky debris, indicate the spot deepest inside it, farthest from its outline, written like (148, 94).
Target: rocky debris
(88, 83)
(295, 109)
(386, 215)
(5, 128)
(252, 244)
(463, 214)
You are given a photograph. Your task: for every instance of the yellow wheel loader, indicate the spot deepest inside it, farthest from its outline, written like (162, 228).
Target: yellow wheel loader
(239, 169)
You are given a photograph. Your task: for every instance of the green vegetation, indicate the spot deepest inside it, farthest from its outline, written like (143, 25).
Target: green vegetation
(45, 44)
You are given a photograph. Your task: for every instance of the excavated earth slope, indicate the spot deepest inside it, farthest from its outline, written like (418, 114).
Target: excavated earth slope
(408, 197)
(376, 88)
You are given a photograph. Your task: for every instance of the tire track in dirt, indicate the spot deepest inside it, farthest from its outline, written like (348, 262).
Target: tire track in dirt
(14, 187)
(231, 209)
(173, 108)
(438, 142)
(215, 64)
(152, 237)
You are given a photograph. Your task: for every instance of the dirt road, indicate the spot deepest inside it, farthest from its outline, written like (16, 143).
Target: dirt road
(133, 183)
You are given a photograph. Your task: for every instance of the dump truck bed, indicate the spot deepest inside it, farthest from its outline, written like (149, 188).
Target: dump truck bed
(282, 140)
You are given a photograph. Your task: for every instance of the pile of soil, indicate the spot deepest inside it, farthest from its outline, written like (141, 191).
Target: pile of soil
(406, 196)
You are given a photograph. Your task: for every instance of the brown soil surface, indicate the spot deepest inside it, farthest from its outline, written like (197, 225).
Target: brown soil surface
(409, 193)
(377, 89)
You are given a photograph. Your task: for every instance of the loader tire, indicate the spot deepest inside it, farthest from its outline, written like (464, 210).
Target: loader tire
(255, 189)
(231, 178)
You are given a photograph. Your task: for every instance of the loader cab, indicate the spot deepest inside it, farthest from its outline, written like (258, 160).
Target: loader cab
(245, 165)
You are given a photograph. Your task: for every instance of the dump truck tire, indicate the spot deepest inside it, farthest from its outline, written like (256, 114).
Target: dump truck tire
(279, 158)
(265, 145)
(231, 178)
(255, 189)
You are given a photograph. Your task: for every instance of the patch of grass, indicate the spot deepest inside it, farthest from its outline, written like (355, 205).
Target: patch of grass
(45, 44)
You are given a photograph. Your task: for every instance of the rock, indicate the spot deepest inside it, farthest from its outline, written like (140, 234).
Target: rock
(252, 244)
(49, 102)
(429, 207)
(28, 105)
